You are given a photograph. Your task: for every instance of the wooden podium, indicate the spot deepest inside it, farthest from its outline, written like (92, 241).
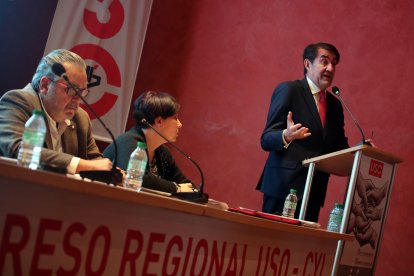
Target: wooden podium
(52, 224)
(371, 174)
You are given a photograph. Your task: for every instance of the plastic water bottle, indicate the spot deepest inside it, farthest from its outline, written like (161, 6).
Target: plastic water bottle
(136, 167)
(32, 141)
(335, 218)
(289, 207)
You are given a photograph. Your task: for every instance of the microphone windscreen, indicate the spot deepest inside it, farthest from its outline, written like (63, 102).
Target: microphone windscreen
(335, 89)
(139, 116)
(58, 69)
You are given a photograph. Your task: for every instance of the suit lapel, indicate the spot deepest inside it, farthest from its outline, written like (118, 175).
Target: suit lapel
(330, 114)
(38, 106)
(310, 102)
(48, 137)
(70, 140)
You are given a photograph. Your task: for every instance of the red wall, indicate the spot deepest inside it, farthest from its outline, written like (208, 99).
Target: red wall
(222, 59)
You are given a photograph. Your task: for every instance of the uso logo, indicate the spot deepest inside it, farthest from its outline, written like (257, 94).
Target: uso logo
(103, 31)
(375, 168)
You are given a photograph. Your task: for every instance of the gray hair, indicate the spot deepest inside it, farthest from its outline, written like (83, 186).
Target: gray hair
(45, 65)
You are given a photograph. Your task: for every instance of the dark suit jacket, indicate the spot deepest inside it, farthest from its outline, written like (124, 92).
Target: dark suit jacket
(168, 171)
(16, 107)
(283, 169)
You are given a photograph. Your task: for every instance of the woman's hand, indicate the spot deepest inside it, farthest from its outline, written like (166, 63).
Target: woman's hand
(186, 187)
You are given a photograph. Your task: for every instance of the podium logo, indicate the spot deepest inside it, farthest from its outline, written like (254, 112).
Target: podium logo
(375, 168)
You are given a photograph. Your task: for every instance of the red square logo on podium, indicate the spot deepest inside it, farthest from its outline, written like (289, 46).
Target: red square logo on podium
(375, 168)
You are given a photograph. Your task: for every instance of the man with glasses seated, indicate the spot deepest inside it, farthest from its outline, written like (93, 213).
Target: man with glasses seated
(68, 143)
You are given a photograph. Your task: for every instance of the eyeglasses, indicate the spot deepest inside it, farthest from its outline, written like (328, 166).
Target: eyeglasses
(70, 91)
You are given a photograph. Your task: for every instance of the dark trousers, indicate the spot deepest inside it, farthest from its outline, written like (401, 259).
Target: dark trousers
(273, 205)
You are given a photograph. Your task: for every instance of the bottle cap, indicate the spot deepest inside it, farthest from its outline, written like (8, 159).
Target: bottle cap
(339, 205)
(141, 145)
(38, 112)
(292, 191)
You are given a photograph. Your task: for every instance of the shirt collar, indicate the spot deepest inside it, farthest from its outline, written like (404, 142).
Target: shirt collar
(59, 127)
(314, 89)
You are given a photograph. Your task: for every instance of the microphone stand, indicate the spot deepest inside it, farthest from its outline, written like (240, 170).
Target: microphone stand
(337, 93)
(113, 176)
(196, 197)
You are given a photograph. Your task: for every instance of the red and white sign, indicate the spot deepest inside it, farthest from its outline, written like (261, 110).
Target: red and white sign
(376, 168)
(109, 35)
(82, 228)
(367, 217)
(53, 246)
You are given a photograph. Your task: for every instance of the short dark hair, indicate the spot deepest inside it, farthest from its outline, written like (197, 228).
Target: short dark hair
(153, 104)
(311, 52)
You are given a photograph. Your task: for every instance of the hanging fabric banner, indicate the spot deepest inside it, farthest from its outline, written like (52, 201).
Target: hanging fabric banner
(109, 35)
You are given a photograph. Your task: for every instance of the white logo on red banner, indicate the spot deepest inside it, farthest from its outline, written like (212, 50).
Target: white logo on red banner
(109, 35)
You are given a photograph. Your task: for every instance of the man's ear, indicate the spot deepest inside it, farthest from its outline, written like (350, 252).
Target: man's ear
(306, 63)
(44, 85)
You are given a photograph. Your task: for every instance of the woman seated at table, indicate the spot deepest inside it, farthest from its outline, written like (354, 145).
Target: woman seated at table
(161, 111)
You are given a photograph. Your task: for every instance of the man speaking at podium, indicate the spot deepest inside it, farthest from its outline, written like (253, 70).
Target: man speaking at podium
(68, 143)
(303, 121)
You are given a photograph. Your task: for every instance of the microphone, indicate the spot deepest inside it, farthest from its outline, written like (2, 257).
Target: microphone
(196, 197)
(113, 176)
(336, 91)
